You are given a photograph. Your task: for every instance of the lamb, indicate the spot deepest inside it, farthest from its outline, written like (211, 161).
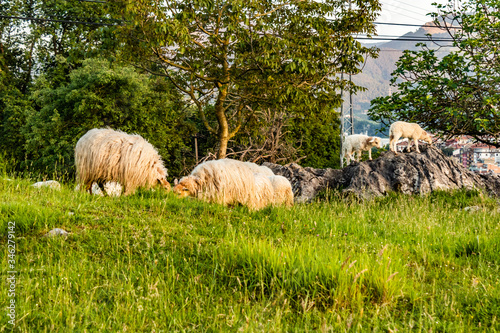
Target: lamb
(357, 143)
(103, 154)
(401, 129)
(282, 188)
(224, 181)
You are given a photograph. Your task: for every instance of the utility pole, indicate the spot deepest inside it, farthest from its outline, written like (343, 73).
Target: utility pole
(341, 122)
(346, 121)
(196, 147)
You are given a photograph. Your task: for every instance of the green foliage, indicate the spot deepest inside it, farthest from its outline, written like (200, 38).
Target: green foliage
(457, 94)
(243, 57)
(103, 95)
(405, 263)
(13, 108)
(31, 47)
(318, 137)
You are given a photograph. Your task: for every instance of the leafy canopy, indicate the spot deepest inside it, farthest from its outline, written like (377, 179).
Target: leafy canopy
(245, 56)
(457, 94)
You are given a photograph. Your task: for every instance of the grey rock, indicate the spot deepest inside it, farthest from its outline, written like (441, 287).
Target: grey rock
(409, 173)
(472, 208)
(56, 232)
(53, 184)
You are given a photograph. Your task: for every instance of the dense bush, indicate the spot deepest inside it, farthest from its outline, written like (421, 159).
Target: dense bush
(100, 94)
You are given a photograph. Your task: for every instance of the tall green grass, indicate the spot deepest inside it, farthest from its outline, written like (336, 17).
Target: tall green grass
(153, 262)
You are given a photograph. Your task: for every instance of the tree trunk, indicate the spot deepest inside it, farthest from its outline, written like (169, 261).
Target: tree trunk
(223, 133)
(222, 147)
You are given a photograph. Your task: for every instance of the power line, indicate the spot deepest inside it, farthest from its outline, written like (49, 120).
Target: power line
(404, 39)
(407, 4)
(412, 17)
(54, 20)
(86, 22)
(414, 25)
(398, 36)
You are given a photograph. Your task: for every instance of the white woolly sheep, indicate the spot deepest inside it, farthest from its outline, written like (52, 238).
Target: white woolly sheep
(264, 191)
(53, 184)
(401, 129)
(107, 155)
(259, 168)
(224, 181)
(283, 194)
(357, 143)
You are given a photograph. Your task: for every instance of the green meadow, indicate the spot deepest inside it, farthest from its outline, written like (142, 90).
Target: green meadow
(152, 262)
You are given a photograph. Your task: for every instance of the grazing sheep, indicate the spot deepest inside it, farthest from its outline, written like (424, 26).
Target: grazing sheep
(357, 143)
(401, 129)
(264, 191)
(283, 194)
(224, 181)
(107, 155)
(259, 168)
(53, 184)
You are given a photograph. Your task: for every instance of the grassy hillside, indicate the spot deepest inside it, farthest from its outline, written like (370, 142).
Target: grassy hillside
(152, 262)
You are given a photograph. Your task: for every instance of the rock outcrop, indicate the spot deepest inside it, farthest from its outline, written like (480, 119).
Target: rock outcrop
(409, 173)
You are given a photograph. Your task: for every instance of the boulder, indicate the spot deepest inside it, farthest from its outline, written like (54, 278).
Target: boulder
(53, 184)
(56, 232)
(409, 173)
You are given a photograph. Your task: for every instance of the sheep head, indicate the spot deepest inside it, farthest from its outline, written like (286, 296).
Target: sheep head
(187, 186)
(373, 141)
(161, 173)
(426, 137)
(164, 183)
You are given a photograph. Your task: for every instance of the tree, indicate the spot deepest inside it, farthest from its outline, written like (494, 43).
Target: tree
(38, 33)
(237, 58)
(98, 95)
(459, 93)
(13, 71)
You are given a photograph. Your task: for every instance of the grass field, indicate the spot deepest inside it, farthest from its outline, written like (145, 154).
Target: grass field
(152, 262)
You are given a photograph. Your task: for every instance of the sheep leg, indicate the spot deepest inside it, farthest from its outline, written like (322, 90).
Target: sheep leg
(416, 145)
(392, 144)
(348, 159)
(370, 154)
(100, 184)
(409, 145)
(358, 155)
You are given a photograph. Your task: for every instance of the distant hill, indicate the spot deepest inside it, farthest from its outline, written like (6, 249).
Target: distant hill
(376, 73)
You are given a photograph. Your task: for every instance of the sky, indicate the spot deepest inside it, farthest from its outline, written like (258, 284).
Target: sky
(406, 12)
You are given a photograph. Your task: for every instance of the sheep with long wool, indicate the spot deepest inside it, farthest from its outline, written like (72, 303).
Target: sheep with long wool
(259, 168)
(357, 143)
(103, 154)
(412, 131)
(225, 181)
(282, 189)
(264, 191)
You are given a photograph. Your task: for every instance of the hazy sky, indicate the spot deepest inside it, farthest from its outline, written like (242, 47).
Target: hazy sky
(406, 12)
